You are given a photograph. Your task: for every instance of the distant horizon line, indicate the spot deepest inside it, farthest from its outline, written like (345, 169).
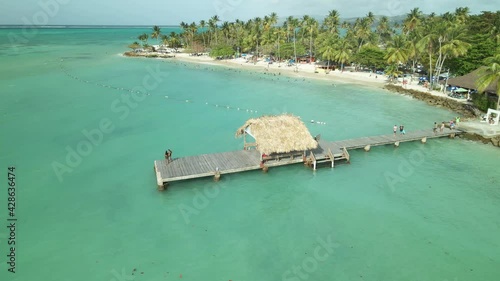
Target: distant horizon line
(88, 25)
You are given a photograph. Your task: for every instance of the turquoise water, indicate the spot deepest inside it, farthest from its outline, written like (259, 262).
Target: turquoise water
(419, 212)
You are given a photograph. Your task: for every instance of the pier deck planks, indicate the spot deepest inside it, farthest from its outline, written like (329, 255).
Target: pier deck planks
(205, 165)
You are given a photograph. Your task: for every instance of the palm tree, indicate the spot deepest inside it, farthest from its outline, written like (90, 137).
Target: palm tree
(397, 51)
(452, 45)
(427, 44)
(134, 46)
(255, 35)
(144, 38)
(462, 14)
(489, 74)
(279, 33)
(193, 29)
(328, 53)
(312, 27)
(370, 17)
(202, 26)
(362, 30)
(294, 23)
(343, 51)
(164, 40)
(331, 22)
(412, 21)
(156, 33)
(174, 41)
(272, 19)
(412, 50)
(393, 71)
(225, 29)
(212, 22)
(384, 29)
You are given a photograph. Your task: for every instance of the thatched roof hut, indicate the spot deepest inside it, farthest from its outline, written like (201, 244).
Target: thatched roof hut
(278, 134)
(468, 81)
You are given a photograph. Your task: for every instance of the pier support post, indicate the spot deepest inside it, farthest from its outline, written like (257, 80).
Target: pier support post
(217, 176)
(163, 186)
(396, 144)
(424, 140)
(367, 148)
(265, 169)
(452, 136)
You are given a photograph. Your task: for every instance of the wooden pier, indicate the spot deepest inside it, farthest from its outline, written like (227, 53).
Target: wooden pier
(217, 164)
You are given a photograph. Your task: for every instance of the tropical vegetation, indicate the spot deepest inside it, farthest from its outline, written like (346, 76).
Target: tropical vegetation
(455, 42)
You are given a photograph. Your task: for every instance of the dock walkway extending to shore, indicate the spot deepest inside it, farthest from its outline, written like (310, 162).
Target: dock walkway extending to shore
(217, 164)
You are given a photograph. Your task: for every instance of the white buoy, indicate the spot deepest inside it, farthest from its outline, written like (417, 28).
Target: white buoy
(367, 148)
(396, 144)
(424, 140)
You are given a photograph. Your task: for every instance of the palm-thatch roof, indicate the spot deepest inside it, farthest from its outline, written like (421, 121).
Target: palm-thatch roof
(278, 134)
(468, 81)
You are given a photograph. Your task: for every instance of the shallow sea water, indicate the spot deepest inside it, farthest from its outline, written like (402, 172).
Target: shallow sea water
(418, 212)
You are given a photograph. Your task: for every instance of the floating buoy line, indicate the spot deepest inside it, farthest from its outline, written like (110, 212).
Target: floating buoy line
(180, 100)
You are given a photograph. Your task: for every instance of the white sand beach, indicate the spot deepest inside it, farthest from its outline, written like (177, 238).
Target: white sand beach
(304, 70)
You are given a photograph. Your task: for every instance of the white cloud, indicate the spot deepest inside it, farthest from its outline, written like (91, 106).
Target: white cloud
(128, 12)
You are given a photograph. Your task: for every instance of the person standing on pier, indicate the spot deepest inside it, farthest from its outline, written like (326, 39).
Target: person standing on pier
(435, 128)
(402, 130)
(441, 129)
(395, 129)
(168, 155)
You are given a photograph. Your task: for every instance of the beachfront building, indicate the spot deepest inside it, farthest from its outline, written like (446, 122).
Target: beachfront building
(277, 136)
(468, 82)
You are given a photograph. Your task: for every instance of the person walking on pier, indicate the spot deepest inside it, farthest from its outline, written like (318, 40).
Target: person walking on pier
(402, 130)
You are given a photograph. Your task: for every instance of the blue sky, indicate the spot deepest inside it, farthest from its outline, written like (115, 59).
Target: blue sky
(162, 12)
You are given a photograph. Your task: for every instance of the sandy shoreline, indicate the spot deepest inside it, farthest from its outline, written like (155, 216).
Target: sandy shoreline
(304, 70)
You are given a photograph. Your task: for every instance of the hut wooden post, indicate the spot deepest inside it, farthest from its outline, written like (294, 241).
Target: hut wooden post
(332, 157)
(313, 160)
